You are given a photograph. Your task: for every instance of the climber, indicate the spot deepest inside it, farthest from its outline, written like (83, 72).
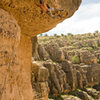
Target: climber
(43, 6)
(46, 9)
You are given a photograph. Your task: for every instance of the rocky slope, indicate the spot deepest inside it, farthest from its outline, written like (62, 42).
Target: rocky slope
(72, 62)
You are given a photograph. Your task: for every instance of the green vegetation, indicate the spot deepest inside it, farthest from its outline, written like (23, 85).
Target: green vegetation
(96, 31)
(75, 93)
(41, 34)
(96, 86)
(75, 59)
(69, 34)
(98, 61)
(95, 46)
(59, 97)
(46, 35)
(90, 48)
(55, 34)
(62, 35)
(74, 46)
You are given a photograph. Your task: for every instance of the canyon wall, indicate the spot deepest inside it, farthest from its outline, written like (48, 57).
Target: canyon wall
(73, 63)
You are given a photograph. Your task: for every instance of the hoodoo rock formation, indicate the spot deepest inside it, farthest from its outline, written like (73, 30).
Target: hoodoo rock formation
(19, 21)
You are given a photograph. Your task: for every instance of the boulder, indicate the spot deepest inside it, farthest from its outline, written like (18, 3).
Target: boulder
(57, 78)
(97, 87)
(39, 81)
(70, 74)
(39, 72)
(87, 58)
(75, 76)
(84, 95)
(87, 75)
(95, 94)
(42, 74)
(92, 73)
(43, 53)
(70, 97)
(54, 52)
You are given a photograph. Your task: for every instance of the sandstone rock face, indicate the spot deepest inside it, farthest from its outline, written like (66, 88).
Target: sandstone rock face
(29, 16)
(57, 78)
(39, 81)
(42, 53)
(54, 52)
(87, 58)
(14, 77)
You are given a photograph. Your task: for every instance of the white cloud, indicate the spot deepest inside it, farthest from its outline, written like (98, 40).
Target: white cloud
(86, 19)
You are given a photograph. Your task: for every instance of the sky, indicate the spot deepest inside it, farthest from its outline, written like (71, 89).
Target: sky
(86, 19)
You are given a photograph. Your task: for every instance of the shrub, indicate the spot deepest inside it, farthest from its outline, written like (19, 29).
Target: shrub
(98, 60)
(75, 59)
(95, 45)
(90, 48)
(58, 36)
(96, 31)
(96, 86)
(46, 35)
(55, 97)
(62, 34)
(74, 93)
(55, 34)
(69, 34)
(41, 34)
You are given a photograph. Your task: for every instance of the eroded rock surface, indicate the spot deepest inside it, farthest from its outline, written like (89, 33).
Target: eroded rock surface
(14, 77)
(65, 73)
(40, 81)
(31, 17)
